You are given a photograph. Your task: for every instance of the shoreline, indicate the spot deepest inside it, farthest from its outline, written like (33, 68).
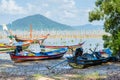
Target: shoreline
(31, 70)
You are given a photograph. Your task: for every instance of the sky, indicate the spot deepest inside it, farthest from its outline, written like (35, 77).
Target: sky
(69, 12)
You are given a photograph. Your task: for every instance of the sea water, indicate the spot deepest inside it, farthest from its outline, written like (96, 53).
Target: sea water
(88, 42)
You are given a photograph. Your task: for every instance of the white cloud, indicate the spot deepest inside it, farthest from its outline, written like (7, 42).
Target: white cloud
(10, 7)
(68, 14)
(86, 10)
(63, 11)
(48, 14)
(69, 8)
(45, 5)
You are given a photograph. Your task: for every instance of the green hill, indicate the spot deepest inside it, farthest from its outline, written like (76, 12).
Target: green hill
(89, 27)
(38, 22)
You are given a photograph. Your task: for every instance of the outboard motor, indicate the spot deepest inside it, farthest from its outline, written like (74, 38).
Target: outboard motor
(78, 53)
(18, 49)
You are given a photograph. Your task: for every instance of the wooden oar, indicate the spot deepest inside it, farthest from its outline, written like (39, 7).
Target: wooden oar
(50, 68)
(31, 31)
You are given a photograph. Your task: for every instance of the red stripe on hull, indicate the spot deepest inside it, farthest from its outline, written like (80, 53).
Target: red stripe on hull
(27, 58)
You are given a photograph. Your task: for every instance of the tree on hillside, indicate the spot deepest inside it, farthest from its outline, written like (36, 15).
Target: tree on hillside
(109, 12)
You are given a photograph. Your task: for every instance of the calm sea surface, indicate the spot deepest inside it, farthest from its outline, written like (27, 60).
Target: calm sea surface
(89, 43)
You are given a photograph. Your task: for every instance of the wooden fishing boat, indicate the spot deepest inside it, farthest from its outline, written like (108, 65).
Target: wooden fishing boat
(28, 55)
(19, 39)
(7, 47)
(22, 39)
(86, 59)
(69, 46)
(85, 63)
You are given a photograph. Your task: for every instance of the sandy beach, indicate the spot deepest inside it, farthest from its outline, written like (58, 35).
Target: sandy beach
(36, 70)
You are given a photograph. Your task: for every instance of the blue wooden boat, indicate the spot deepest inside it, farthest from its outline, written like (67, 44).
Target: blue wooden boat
(19, 56)
(86, 59)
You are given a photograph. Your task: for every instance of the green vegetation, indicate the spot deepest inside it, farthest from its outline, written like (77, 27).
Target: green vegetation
(37, 76)
(90, 76)
(109, 11)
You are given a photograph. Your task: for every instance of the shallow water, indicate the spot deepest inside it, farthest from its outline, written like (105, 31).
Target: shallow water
(89, 42)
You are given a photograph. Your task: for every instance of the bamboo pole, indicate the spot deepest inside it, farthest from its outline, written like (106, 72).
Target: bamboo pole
(31, 31)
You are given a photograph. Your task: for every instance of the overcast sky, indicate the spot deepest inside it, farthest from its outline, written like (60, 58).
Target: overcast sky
(70, 12)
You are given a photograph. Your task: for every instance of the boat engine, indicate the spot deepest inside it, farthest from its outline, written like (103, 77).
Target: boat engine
(78, 52)
(18, 49)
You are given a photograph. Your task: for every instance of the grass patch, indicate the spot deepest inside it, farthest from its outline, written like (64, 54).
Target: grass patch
(37, 76)
(40, 77)
(90, 76)
(93, 76)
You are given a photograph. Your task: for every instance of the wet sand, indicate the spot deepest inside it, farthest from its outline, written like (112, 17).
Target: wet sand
(37, 70)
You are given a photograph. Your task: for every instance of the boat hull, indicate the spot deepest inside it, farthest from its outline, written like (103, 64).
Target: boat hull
(23, 40)
(80, 64)
(34, 58)
(6, 48)
(19, 39)
(71, 46)
(53, 54)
